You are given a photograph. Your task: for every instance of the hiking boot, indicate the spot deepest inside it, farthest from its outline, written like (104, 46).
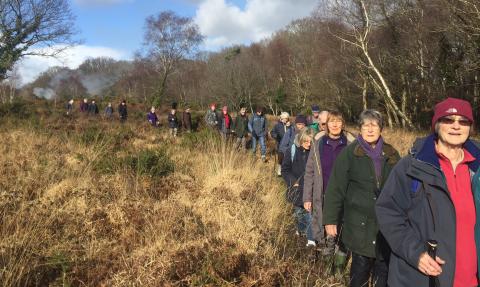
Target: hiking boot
(264, 159)
(279, 170)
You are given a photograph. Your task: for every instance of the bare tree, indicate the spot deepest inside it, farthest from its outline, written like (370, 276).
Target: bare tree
(27, 24)
(360, 16)
(169, 38)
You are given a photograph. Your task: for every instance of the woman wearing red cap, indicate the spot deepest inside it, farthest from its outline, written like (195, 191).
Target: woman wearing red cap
(430, 198)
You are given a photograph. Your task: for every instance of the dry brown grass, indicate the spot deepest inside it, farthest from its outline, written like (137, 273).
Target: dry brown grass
(219, 219)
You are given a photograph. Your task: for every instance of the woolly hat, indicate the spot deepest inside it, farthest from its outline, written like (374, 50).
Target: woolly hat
(259, 110)
(301, 119)
(452, 106)
(315, 109)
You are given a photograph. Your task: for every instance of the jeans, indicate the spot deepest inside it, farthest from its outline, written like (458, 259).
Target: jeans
(263, 147)
(362, 267)
(303, 219)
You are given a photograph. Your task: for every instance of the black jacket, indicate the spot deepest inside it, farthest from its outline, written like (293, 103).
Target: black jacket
(279, 131)
(122, 111)
(415, 206)
(293, 171)
(172, 121)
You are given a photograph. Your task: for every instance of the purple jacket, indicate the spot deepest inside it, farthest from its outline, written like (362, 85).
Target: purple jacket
(152, 118)
(83, 107)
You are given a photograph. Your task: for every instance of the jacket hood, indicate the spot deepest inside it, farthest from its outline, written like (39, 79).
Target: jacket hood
(350, 136)
(423, 149)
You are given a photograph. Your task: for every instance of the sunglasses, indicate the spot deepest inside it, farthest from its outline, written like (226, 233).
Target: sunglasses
(450, 121)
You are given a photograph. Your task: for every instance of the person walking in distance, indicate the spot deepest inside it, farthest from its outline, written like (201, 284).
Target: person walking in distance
(225, 123)
(109, 111)
(240, 129)
(257, 126)
(279, 130)
(211, 117)
(152, 117)
(187, 120)
(122, 111)
(173, 122)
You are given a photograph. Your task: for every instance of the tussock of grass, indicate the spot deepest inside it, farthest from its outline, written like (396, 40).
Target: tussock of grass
(103, 204)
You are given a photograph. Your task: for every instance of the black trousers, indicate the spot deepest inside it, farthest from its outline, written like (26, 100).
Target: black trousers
(363, 266)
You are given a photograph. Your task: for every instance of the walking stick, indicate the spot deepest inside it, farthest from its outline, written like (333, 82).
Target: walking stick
(432, 252)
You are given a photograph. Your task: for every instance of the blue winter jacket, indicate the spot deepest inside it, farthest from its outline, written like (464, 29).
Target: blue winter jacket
(257, 126)
(288, 140)
(415, 206)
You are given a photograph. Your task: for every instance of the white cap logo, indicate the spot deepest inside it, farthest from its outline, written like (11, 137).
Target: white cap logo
(452, 111)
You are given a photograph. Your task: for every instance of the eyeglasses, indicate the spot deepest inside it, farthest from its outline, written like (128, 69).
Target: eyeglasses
(371, 125)
(450, 121)
(323, 124)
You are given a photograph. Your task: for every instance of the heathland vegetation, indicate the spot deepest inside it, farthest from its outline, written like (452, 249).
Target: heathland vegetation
(88, 202)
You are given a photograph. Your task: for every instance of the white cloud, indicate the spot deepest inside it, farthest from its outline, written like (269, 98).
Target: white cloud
(31, 66)
(224, 23)
(100, 2)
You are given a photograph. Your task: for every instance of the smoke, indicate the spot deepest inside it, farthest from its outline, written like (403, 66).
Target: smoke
(96, 83)
(44, 93)
(95, 80)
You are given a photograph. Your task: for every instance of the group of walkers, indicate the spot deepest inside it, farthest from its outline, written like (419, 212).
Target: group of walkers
(91, 109)
(404, 222)
(408, 221)
(173, 122)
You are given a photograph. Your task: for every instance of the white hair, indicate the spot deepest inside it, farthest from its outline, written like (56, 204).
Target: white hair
(284, 115)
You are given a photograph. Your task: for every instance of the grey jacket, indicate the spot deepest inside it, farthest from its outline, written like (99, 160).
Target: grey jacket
(313, 185)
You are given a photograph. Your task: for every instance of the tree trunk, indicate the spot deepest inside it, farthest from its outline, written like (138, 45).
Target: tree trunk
(364, 93)
(389, 115)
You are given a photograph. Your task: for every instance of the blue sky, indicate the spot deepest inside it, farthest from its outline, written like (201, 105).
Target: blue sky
(114, 28)
(120, 25)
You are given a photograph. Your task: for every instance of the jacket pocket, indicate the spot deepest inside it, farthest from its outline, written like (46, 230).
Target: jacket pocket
(354, 233)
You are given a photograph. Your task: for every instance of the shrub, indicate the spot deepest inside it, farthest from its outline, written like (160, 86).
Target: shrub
(17, 109)
(151, 163)
(201, 138)
(90, 135)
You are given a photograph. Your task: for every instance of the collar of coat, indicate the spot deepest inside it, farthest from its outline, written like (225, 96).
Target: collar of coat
(424, 150)
(348, 135)
(389, 153)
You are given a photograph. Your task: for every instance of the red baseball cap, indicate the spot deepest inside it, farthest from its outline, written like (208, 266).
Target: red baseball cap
(452, 106)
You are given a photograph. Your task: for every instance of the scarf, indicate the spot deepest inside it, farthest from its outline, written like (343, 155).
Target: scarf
(376, 154)
(227, 121)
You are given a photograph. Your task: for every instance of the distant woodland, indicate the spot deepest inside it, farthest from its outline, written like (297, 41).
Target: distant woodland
(398, 56)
